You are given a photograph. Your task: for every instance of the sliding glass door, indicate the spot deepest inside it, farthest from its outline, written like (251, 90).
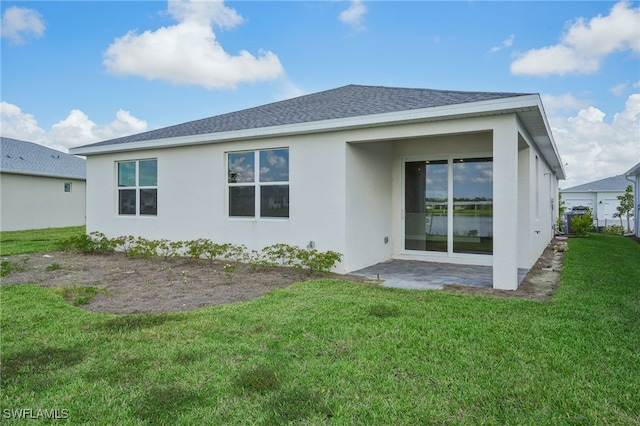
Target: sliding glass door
(448, 205)
(426, 206)
(473, 205)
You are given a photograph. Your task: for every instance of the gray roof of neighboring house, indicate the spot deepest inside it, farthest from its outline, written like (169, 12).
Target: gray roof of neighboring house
(29, 158)
(615, 183)
(634, 171)
(343, 102)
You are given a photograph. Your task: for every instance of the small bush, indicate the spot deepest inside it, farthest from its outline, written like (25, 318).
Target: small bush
(614, 230)
(314, 260)
(94, 243)
(582, 225)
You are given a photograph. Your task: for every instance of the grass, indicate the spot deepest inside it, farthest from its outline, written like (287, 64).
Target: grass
(35, 240)
(78, 295)
(334, 352)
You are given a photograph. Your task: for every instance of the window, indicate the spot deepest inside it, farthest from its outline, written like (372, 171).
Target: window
(138, 187)
(258, 183)
(67, 187)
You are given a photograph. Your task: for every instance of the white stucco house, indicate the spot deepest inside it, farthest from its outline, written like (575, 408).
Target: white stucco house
(600, 197)
(633, 176)
(40, 187)
(371, 172)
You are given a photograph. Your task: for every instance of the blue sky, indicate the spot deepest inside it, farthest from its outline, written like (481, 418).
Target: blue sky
(81, 71)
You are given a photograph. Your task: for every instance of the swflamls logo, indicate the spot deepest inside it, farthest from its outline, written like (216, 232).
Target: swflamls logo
(38, 413)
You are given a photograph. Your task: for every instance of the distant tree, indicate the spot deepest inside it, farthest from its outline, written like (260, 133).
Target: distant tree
(625, 209)
(562, 207)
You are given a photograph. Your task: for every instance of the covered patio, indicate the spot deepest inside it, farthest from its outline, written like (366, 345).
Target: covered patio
(422, 275)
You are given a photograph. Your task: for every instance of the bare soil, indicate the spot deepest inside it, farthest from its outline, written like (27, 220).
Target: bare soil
(134, 285)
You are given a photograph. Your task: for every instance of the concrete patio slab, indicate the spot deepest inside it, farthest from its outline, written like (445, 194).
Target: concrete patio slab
(419, 275)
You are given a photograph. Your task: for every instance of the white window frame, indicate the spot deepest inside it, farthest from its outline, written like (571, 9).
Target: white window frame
(256, 184)
(137, 187)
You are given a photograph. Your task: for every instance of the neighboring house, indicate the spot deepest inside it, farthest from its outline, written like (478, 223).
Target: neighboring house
(40, 187)
(600, 197)
(633, 175)
(371, 172)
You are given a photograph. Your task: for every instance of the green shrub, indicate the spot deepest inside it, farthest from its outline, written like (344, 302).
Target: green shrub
(275, 255)
(314, 260)
(582, 225)
(614, 230)
(94, 243)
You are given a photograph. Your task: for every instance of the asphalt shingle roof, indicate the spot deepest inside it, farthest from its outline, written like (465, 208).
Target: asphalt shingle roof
(30, 158)
(343, 102)
(615, 183)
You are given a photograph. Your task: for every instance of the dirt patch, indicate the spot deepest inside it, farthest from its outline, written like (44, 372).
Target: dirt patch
(538, 284)
(136, 285)
(156, 285)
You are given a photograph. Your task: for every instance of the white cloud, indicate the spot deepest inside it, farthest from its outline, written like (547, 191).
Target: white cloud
(354, 15)
(75, 130)
(595, 149)
(19, 125)
(20, 24)
(619, 89)
(563, 103)
(188, 52)
(505, 44)
(585, 44)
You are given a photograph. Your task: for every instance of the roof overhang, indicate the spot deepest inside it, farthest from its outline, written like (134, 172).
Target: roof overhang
(47, 175)
(527, 107)
(634, 171)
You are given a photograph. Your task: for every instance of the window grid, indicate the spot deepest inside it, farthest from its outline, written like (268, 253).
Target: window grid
(135, 198)
(252, 192)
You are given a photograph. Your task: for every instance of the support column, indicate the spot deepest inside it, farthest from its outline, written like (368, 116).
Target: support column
(505, 203)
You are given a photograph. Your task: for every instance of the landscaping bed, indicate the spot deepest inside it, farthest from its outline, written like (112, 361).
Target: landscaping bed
(124, 284)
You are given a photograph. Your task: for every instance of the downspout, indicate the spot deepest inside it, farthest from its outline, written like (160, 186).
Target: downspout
(636, 201)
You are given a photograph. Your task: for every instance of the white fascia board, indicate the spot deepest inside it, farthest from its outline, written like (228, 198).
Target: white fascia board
(496, 106)
(559, 169)
(47, 175)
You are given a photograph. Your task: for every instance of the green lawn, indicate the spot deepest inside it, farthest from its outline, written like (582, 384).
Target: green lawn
(334, 352)
(36, 240)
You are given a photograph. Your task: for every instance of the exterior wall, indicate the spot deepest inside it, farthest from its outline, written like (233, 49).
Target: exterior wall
(369, 189)
(192, 196)
(525, 205)
(36, 202)
(537, 203)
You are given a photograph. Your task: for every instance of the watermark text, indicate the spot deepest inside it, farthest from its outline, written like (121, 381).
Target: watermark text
(35, 413)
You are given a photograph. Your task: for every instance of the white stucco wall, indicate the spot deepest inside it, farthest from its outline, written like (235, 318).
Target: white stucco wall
(36, 202)
(537, 203)
(192, 196)
(369, 189)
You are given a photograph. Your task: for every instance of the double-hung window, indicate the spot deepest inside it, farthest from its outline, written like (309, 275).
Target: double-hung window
(258, 183)
(138, 187)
